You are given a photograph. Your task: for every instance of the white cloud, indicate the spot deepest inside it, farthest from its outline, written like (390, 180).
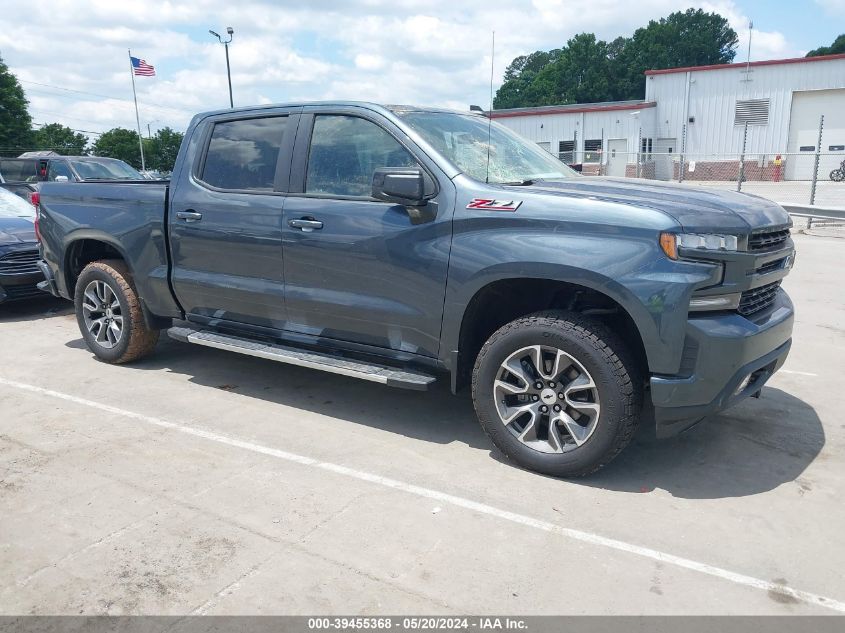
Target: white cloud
(433, 52)
(833, 7)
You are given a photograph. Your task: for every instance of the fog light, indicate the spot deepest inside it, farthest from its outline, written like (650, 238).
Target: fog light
(745, 382)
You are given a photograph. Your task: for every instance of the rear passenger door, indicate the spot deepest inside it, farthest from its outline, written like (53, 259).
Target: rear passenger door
(226, 220)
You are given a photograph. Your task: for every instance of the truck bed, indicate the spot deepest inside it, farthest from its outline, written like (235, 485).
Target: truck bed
(131, 217)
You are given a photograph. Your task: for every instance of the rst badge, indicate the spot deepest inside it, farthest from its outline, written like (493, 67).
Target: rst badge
(488, 204)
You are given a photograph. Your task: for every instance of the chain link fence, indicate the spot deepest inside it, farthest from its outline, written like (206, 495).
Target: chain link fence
(813, 176)
(787, 178)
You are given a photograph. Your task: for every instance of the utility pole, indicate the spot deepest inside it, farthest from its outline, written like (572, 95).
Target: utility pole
(230, 31)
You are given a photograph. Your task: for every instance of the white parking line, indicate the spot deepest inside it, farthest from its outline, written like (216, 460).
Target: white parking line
(799, 373)
(461, 502)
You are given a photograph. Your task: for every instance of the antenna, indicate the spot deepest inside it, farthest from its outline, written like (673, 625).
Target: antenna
(490, 111)
(747, 71)
(748, 57)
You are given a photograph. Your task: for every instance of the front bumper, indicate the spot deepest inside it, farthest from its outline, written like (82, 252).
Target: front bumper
(19, 285)
(14, 287)
(720, 352)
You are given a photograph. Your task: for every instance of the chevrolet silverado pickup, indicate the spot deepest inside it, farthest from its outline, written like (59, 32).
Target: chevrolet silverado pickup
(401, 245)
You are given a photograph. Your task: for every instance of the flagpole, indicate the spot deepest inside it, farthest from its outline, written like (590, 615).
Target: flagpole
(137, 116)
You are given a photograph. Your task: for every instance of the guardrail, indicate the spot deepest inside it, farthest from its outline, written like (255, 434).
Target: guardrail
(826, 216)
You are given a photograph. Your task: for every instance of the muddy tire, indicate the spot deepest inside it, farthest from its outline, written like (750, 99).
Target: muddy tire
(557, 393)
(109, 315)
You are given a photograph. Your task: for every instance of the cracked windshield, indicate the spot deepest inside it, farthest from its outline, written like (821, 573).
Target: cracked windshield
(463, 139)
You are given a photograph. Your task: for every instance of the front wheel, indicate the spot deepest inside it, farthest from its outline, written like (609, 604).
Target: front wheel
(837, 175)
(557, 393)
(109, 315)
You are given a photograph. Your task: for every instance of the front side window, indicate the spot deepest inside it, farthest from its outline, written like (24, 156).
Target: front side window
(58, 168)
(243, 154)
(346, 151)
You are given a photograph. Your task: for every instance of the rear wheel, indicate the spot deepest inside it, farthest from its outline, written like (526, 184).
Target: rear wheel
(109, 315)
(557, 393)
(837, 175)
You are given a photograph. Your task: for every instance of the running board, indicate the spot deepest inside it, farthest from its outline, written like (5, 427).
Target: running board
(392, 377)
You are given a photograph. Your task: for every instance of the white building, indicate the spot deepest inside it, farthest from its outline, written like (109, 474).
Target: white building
(700, 113)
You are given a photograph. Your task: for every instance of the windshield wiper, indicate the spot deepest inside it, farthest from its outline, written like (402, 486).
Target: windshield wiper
(521, 183)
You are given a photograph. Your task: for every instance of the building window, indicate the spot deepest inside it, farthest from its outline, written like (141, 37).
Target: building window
(592, 150)
(646, 148)
(566, 151)
(752, 111)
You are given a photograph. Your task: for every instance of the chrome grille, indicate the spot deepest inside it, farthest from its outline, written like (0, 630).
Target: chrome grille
(752, 301)
(19, 262)
(767, 239)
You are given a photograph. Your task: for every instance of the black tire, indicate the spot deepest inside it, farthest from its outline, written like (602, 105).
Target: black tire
(135, 340)
(598, 350)
(837, 175)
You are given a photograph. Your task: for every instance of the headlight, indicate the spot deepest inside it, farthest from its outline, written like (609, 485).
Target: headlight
(671, 242)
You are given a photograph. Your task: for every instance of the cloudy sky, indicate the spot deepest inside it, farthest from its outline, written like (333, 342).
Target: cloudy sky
(71, 55)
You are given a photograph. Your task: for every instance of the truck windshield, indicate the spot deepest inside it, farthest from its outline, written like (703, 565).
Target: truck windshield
(105, 170)
(462, 138)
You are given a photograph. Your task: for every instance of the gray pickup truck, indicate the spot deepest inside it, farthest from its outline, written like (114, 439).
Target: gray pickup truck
(401, 244)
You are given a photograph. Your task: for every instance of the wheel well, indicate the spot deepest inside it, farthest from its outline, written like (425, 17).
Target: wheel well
(83, 252)
(503, 301)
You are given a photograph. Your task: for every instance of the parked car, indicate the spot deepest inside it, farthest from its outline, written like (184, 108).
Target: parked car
(37, 169)
(23, 190)
(401, 244)
(19, 272)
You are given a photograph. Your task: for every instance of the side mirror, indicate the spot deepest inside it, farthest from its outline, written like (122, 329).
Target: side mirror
(61, 178)
(400, 185)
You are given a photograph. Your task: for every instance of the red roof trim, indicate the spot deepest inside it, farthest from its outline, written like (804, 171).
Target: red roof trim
(585, 108)
(765, 62)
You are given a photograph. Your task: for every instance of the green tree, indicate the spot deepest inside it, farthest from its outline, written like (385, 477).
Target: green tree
(161, 149)
(689, 38)
(580, 74)
(838, 46)
(588, 70)
(119, 143)
(519, 75)
(15, 122)
(60, 139)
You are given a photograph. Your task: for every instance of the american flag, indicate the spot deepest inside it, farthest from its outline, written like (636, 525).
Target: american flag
(142, 68)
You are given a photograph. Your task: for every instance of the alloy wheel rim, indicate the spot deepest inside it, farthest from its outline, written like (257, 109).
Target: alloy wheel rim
(547, 399)
(102, 314)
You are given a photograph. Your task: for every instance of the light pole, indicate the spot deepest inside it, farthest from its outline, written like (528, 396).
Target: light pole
(230, 31)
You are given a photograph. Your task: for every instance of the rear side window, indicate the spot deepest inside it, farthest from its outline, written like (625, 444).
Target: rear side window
(243, 154)
(58, 168)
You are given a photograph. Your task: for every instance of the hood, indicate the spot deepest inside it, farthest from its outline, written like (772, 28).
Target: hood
(16, 231)
(694, 208)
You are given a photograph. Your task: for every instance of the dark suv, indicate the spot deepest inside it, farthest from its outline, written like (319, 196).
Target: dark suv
(35, 169)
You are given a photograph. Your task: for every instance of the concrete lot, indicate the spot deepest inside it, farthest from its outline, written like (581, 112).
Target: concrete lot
(200, 481)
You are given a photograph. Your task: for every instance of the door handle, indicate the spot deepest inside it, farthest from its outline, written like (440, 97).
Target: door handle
(189, 216)
(306, 224)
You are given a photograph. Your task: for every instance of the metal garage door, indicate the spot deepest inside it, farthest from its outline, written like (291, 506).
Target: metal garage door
(807, 107)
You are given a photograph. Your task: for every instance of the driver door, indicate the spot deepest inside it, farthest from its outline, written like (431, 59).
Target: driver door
(357, 269)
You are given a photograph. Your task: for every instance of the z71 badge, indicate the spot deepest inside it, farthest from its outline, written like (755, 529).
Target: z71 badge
(487, 204)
